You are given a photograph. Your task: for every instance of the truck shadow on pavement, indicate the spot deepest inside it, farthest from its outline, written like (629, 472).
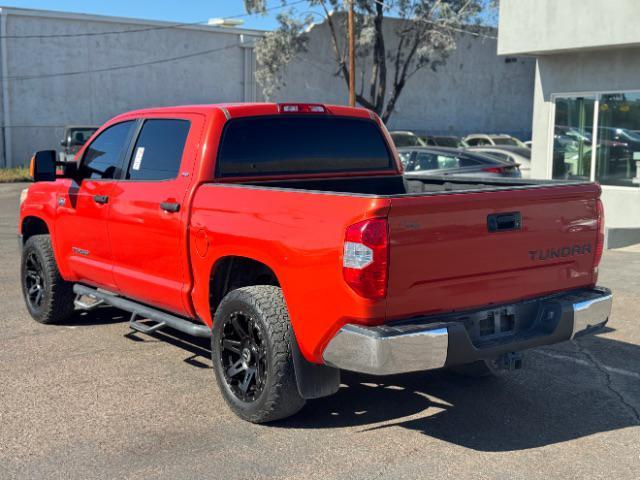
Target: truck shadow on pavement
(99, 316)
(563, 393)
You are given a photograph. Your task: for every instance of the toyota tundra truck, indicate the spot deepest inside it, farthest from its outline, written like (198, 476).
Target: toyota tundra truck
(287, 234)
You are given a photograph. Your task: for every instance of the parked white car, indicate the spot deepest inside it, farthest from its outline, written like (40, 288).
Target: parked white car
(405, 138)
(482, 139)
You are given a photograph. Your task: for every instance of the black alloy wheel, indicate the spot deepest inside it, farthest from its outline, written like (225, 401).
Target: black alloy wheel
(34, 281)
(252, 354)
(243, 355)
(48, 297)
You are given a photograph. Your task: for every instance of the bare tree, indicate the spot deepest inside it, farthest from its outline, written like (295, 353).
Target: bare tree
(424, 33)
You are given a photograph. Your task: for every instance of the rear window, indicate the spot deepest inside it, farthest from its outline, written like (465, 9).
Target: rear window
(434, 161)
(301, 144)
(504, 141)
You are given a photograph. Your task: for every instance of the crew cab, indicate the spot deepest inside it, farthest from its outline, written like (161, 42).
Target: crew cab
(288, 235)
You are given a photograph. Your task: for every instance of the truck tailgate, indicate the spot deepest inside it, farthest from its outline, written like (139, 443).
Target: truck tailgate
(456, 251)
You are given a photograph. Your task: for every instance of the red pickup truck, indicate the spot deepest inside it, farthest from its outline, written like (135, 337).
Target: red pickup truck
(287, 234)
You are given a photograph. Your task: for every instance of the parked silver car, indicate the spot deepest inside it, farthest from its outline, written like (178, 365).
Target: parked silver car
(453, 161)
(509, 153)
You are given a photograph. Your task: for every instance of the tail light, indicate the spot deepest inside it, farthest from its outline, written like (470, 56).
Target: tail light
(599, 234)
(494, 169)
(507, 168)
(365, 258)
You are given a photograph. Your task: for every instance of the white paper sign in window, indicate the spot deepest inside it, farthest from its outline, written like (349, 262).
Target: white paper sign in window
(137, 160)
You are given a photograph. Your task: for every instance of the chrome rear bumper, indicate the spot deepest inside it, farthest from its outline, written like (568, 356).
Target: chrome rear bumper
(592, 312)
(432, 342)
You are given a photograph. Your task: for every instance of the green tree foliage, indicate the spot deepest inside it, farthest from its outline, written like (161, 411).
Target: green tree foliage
(422, 35)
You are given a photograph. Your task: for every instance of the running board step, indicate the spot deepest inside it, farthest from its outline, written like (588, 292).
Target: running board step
(83, 305)
(141, 327)
(139, 310)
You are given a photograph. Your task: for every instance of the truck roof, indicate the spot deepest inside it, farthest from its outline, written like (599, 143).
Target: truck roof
(234, 110)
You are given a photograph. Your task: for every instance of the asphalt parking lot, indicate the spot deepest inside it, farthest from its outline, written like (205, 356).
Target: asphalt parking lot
(91, 400)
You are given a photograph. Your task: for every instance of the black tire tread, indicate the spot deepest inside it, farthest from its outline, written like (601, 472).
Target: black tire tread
(283, 398)
(59, 305)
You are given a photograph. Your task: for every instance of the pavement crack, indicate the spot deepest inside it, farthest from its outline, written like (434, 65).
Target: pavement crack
(633, 411)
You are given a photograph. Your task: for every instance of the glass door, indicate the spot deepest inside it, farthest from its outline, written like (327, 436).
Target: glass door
(618, 151)
(573, 137)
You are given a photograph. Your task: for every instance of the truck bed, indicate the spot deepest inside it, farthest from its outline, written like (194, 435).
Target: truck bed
(397, 185)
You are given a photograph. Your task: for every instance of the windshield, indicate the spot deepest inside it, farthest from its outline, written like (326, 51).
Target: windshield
(505, 141)
(288, 144)
(452, 142)
(634, 137)
(79, 136)
(407, 140)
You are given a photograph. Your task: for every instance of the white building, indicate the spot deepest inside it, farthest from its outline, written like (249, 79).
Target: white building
(586, 121)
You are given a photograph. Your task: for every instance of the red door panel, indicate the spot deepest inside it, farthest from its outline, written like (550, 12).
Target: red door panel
(149, 242)
(81, 232)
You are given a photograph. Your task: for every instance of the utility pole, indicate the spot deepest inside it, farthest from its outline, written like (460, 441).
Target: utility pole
(352, 57)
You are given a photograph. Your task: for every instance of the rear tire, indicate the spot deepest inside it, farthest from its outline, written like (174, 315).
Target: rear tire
(479, 369)
(48, 297)
(252, 354)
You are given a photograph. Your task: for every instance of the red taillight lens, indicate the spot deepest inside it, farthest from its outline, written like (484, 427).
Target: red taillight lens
(494, 169)
(365, 258)
(600, 233)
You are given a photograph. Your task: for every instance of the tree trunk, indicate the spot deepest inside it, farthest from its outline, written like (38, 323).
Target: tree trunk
(378, 86)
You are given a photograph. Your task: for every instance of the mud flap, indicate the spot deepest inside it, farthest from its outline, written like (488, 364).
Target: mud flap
(313, 380)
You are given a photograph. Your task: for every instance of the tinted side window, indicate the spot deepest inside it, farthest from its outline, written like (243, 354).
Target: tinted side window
(404, 156)
(467, 162)
(158, 151)
(103, 158)
(426, 161)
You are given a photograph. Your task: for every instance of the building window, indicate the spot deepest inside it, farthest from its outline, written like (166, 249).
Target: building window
(613, 120)
(618, 139)
(572, 140)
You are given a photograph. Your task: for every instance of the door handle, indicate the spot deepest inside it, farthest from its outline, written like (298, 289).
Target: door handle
(171, 207)
(504, 222)
(101, 199)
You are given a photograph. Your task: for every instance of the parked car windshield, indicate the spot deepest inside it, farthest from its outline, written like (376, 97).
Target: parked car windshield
(452, 142)
(297, 143)
(79, 136)
(505, 141)
(407, 140)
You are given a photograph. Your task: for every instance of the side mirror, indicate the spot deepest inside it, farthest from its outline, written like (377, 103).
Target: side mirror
(43, 166)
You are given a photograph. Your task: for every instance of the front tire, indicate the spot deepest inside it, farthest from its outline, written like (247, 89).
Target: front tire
(251, 349)
(48, 297)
